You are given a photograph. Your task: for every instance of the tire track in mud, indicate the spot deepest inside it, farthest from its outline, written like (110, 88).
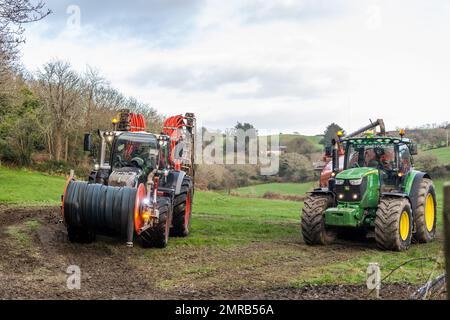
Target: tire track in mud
(36, 269)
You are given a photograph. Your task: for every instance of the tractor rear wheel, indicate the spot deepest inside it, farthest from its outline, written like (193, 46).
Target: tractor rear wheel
(182, 209)
(158, 235)
(393, 224)
(314, 230)
(425, 213)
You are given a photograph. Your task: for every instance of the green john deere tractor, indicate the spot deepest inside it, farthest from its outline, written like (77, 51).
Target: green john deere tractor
(377, 192)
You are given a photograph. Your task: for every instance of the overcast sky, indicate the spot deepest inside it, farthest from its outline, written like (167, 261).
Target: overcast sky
(285, 65)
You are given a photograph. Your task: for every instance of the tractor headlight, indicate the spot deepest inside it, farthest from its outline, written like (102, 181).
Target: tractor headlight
(340, 182)
(356, 182)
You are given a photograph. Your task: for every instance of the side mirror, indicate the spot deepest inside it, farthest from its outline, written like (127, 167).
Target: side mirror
(413, 150)
(87, 142)
(328, 151)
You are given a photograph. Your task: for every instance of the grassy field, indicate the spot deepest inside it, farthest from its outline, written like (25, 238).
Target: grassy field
(280, 188)
(229, 220)
(23, 187)
(258, 239)
(442, 154)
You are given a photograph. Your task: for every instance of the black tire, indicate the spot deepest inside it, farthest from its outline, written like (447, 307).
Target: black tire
(182, 209)
(80, 235)
(425, 228)
(158, 235)
(390, 224)
(314, 230)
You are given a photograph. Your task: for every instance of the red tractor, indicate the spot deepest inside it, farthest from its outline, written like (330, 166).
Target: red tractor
(142, 185)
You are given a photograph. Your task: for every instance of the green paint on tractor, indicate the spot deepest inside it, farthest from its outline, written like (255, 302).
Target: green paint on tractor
(377, 190)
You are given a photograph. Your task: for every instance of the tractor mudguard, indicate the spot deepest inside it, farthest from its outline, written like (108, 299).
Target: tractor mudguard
(395, 194)
(322, 191)
(414, 192)
(174, 180)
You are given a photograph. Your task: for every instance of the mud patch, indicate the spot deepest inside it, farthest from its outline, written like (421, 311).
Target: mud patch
(36, 268)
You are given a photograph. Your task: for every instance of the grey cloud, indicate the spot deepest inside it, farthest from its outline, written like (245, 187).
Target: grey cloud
(262, 10)
(304, 82)
(159, 21)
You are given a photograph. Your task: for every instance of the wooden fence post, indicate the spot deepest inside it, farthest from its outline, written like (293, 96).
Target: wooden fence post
(447, 234)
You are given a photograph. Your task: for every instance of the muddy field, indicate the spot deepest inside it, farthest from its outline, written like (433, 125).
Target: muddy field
(35, 255)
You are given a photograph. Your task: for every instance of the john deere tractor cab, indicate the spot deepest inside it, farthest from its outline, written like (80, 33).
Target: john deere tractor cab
(377, 190)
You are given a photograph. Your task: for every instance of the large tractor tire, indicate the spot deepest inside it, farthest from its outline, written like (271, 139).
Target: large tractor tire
(425, 213)
(183, 209)
(158, 235)
(394, 224)
(313, 223)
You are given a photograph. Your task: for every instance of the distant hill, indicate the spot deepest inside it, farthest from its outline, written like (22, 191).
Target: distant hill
(286, 139)
(442, 154)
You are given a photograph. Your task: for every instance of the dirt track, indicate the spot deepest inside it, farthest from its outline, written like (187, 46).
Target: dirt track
(35, 255)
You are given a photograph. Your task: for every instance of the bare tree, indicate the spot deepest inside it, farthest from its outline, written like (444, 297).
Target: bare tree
(60, 92)
(92, 84)
(13, 15)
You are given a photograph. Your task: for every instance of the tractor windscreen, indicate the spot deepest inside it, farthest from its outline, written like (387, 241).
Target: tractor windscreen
(135, 150)
(378, 156)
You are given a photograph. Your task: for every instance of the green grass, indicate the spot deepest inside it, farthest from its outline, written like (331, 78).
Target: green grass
(442, 154)
(439, 187)
(225, 220)
(353, 271)
(20, 186)
(280, 188)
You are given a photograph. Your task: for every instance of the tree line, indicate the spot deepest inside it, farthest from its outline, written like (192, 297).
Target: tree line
(47, 112)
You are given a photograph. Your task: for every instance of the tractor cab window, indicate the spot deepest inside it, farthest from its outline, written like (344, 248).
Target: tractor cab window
(405, 163)
(134, 150)
(379, 156)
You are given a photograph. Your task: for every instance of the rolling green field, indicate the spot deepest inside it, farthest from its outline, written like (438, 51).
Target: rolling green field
(280, 188)
(442, 154)
(254, 237)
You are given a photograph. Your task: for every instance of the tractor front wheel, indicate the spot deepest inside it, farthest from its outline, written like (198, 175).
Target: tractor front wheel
(314, 230)
(425, 213)
(158, 235)
(394, 224)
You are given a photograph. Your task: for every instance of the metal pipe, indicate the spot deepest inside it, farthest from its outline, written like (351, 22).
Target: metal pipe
(379, 122)
(335, 156)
